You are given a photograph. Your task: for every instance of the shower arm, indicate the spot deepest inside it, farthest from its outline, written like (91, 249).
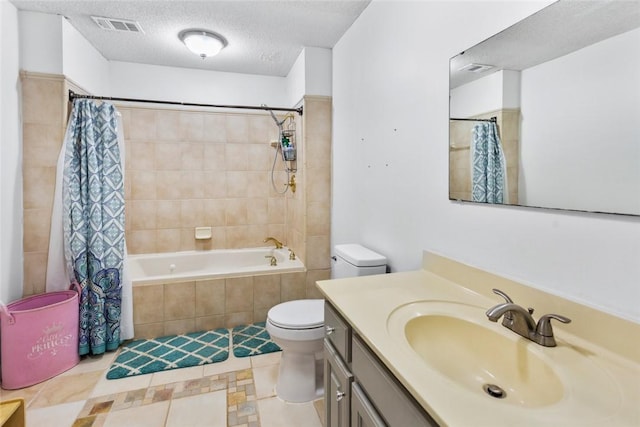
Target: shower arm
(275, 119)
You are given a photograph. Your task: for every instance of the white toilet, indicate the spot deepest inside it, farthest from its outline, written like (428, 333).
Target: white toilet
(298, 328)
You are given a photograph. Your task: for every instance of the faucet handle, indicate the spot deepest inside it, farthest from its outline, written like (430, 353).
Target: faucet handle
(503, 295)
(544, 331)
(544, 324)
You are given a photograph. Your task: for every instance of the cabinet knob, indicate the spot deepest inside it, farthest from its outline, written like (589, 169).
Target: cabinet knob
(330, 330)
(339, 395)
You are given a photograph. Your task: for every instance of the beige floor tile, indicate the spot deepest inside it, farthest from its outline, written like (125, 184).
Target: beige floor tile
(27, 393)
(175, 375)
(67, 388)
(206, 410)
(265, 378)
(266, 359)
(101, 362)
(231, 364)
(276, 413)
(106, 386)
(54, 416)
(143, 416)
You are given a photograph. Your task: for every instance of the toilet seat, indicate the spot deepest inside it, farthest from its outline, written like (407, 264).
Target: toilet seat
(298, 314)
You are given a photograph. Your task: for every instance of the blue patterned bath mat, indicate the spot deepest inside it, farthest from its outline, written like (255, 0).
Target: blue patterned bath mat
(171, 352)
(252, 340)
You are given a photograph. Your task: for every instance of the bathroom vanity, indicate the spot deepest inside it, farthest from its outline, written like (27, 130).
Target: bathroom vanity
(357, 383)
(416, 349)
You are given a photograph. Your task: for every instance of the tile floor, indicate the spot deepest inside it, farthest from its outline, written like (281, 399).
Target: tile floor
(238, 392)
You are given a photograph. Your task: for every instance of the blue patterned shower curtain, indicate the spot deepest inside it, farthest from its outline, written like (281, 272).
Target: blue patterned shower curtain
(489, 178)
(93, 221)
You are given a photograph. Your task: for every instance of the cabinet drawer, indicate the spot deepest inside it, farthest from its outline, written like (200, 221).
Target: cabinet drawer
(337, 332)
(392, 401)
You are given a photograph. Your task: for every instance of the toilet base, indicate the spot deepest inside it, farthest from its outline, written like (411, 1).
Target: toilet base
(300, 378)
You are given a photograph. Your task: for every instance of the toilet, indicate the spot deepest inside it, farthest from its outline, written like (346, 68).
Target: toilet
(298, 327)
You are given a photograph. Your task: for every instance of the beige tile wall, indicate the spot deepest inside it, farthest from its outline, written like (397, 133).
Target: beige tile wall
(44, 117)
(459, 156)
(316, 222)
(186, 169)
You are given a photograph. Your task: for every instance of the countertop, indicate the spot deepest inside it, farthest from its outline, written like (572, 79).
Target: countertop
(367, 302)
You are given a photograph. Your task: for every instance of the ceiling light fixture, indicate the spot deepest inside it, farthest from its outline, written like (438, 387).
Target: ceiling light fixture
(203, 43)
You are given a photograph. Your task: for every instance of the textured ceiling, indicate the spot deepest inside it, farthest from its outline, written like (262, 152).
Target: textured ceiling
(265, 36)
(557, 30)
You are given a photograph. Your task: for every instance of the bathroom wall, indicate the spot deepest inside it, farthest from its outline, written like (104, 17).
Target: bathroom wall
(145, 81)
(10, 158)
(50, 44)
(390, 164)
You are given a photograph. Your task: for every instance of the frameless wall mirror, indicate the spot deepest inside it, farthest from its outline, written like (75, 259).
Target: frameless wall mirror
(547, 112)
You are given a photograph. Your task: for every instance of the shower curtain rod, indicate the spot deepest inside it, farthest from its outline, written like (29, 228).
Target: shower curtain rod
(492, 119)
(73, 95)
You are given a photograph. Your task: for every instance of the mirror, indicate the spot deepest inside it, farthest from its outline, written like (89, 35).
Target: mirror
(563, 89)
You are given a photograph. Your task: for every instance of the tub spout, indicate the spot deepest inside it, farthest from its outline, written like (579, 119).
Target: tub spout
(275, 241)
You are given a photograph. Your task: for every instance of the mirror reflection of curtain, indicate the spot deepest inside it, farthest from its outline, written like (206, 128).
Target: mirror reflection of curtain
(489, 167)
(92, 217)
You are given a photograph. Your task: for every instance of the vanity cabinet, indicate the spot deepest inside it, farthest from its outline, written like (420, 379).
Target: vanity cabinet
(359, 390)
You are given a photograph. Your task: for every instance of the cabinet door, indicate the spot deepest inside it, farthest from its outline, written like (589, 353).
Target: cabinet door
(363, 414)
(337, 388)
(390, 398)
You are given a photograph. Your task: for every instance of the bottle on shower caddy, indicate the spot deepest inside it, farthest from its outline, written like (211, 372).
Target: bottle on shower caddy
(288, 145)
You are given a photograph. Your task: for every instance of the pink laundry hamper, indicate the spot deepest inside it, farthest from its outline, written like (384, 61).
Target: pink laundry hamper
(38, 338)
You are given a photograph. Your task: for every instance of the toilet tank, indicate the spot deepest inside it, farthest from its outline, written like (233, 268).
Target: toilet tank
(353, 260)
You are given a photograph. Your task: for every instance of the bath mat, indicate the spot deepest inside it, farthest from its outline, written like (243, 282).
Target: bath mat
(171, 352)
(252, 340)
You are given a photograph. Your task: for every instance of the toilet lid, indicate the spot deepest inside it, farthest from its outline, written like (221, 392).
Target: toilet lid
(298, 314)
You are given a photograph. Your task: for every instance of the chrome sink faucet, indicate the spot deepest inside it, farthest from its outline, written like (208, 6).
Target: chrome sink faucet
(521, 321)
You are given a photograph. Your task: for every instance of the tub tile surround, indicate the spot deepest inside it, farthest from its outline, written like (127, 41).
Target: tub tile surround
(183, 307)
(185, 169)
(199, 168)
(234, 393)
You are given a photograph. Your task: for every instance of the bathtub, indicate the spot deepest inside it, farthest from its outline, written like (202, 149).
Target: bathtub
(149, 269)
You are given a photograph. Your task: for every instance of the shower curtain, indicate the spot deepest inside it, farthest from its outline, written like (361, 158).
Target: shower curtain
(489, 168)
(87, 244)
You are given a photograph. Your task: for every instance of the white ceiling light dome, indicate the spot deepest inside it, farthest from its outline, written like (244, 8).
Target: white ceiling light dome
(203, 43)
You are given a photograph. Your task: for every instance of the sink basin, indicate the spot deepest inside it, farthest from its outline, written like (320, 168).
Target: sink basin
(458, 342)
(481, 359)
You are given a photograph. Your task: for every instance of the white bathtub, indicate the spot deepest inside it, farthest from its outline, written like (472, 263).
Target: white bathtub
(147, 269)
